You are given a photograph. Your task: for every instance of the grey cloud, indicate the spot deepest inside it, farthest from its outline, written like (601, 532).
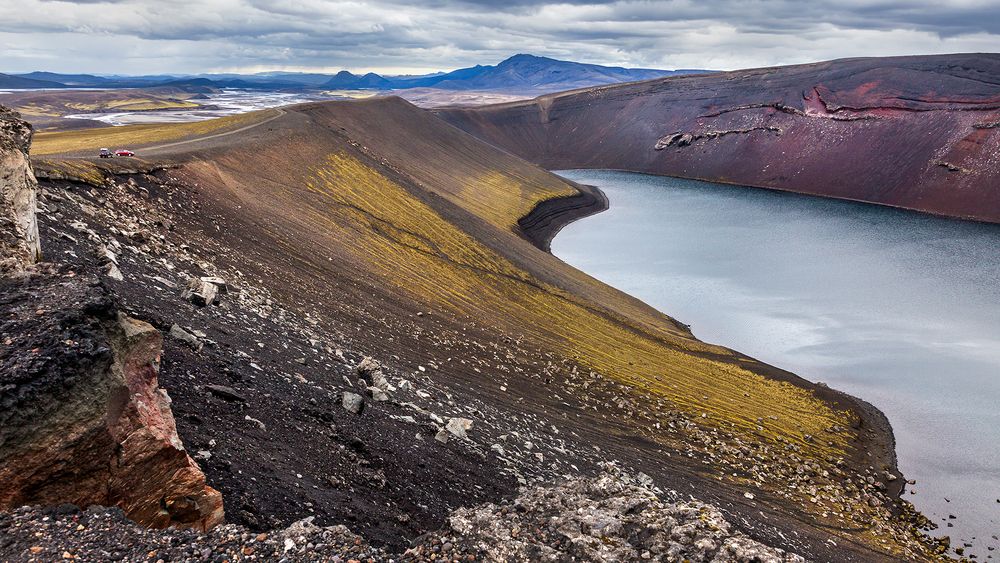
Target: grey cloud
(211, 35)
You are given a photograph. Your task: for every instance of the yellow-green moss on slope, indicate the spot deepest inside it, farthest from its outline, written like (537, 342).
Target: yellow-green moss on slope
(412, 246)
(381, 195)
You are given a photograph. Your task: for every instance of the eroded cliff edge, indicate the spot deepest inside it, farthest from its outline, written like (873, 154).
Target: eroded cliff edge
(920, 132)
(82, 419)
(19, 244)
(355, 235)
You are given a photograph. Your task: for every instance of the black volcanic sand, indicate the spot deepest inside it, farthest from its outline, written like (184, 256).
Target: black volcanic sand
(313, 458)
(547, 218)
(281, 447)
(316, 459)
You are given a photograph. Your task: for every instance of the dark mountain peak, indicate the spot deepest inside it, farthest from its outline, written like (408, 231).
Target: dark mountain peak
(525, 57)
(525, 71)
(347, 79)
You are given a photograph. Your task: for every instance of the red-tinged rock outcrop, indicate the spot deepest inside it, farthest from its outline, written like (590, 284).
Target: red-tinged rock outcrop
(913, 132)
(18, 228)
(82, 419)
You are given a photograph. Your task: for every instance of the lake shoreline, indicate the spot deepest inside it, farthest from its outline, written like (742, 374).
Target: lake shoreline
(876, 445)
(546, 219)
(774, 189)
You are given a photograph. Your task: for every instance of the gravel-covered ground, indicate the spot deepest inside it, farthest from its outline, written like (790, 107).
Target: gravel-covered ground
(449, 414)
(611, 517)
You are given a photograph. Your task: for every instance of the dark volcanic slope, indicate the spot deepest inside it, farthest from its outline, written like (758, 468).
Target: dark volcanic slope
(916, 132)
(375, 228)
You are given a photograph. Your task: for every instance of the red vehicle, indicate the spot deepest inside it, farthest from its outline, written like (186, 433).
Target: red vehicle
(123, 152)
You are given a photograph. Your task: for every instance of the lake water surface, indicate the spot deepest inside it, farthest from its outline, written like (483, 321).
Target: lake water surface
(898, 308)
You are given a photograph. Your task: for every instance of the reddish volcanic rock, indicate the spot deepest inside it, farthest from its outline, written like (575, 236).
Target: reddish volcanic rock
(153, 479)
(82, 420)
(916, 132)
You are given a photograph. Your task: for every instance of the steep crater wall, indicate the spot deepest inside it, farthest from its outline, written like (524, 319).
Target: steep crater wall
(914, 132)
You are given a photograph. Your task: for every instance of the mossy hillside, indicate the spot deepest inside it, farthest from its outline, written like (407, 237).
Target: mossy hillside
(78, 170)
(413, 247)
(35, 110)
(409, 244)
(494, 186)
(356, 190)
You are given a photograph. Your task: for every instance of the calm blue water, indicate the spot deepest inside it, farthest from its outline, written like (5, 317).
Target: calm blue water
(898, 308)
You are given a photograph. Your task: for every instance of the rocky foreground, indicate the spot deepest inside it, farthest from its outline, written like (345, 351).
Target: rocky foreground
(359, 339)
(612, 517)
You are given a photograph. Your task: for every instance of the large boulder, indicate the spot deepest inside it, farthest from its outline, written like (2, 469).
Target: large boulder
(19, 245)
(204, 291)
(82, 418)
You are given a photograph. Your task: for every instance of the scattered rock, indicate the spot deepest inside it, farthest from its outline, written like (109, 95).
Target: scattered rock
(370, 371)
(204, 291)
(105, 534)
(184, 336)
(220, 284)
(459, 427)
(353, 402)
(113, 272)
(259, 424)
(442, 436)
(226, 393)
(612, 517)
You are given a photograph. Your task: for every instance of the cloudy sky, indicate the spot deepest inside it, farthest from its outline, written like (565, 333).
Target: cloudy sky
(392, 36)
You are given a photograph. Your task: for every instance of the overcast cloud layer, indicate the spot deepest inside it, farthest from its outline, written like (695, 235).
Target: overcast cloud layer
(190, 36)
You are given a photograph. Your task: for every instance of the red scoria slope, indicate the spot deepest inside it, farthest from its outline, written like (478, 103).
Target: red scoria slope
(921, 133)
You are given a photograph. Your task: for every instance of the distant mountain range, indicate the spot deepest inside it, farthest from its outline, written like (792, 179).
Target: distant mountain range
(520, 72)
(16, 82)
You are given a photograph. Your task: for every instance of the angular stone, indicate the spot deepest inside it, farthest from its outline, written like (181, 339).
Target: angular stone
(220, 284)
(459, 427)
(226, 393)
(353, 402)
(370, 371)
(184, 336)
(200, 292)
